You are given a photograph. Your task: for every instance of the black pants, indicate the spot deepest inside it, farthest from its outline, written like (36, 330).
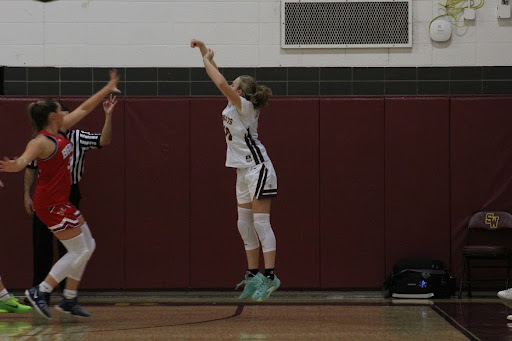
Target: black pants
(42, 239)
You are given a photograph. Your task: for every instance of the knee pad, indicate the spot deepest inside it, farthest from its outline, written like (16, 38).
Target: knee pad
(81, 264)
(73, 263)
(80, 249)
(89, 241)
(246, 229)
(264, 231)
(67, 264)
(84, 257)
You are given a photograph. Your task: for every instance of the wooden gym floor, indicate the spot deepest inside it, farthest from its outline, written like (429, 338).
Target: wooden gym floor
(285, 316)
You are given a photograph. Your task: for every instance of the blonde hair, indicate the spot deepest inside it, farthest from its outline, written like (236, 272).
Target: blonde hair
(258, 95)
(40, 111)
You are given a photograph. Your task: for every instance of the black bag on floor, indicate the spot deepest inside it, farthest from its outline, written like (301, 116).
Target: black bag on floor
(419, 278)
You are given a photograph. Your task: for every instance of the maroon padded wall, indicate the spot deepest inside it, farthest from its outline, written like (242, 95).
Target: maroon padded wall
(157, 187)
(216, 250)
(363, 183)
(352, 192)
(289, 129)
(16, 225)
(417, 179)
(481, 163)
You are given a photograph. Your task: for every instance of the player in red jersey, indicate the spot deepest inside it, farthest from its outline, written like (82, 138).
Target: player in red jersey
(51, 198)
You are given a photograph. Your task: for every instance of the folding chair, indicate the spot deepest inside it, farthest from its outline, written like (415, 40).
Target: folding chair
(486, 223)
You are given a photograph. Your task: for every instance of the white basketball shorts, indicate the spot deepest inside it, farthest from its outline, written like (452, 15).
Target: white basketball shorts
(257, 182)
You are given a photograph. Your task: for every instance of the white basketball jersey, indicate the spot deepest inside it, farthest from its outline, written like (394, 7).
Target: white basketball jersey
(241, 130)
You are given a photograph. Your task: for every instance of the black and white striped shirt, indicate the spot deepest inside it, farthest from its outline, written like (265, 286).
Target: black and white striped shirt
(82, 141)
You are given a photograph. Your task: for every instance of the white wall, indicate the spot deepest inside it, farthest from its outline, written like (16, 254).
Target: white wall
(243, 33)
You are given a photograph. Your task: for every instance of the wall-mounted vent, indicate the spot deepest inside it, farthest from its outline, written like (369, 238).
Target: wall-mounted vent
(346, 24)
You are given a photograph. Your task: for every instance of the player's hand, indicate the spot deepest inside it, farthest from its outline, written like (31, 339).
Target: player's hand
(209, 55)
(196, 43)
(1, 183)
(109, 104)
(29, 205)
(114, 79)
(8, 165)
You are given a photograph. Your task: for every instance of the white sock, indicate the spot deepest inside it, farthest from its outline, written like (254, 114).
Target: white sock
(70, 294)
(45, 287)
(4, 295)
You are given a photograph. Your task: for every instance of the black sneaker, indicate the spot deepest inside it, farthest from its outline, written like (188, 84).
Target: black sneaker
(40, 301)
(71, 306)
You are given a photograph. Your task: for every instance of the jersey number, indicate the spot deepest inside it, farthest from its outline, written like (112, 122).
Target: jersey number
(228, 133)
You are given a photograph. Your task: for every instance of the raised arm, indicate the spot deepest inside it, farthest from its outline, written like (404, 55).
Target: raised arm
(202, 48)
(217, 78)
(106, 132)
(86, 107)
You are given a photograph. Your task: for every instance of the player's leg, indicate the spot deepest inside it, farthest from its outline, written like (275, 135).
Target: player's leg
(252, 278)
(66, 222)
(69, 304)
(9, 303)
(263, 187)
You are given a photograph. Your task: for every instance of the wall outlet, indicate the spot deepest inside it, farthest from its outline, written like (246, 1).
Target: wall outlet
(503, 9)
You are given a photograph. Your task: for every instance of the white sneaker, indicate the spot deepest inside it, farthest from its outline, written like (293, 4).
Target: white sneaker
(506, 294)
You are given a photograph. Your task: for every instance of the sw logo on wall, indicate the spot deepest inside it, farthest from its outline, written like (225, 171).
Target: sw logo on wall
(492, 220)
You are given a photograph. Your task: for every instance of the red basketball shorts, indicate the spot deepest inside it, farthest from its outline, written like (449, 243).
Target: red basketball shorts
(60, 217)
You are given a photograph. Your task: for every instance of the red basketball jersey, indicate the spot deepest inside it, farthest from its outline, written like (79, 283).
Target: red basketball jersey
(54, 182)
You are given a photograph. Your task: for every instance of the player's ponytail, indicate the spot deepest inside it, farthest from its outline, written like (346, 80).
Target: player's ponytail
(40, 111)
(258, 95)
(261, 97)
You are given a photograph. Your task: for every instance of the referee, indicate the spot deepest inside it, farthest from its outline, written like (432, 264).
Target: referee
(42, 237)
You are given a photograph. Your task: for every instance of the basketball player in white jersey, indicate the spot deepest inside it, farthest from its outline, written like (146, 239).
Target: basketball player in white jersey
(256, 181)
